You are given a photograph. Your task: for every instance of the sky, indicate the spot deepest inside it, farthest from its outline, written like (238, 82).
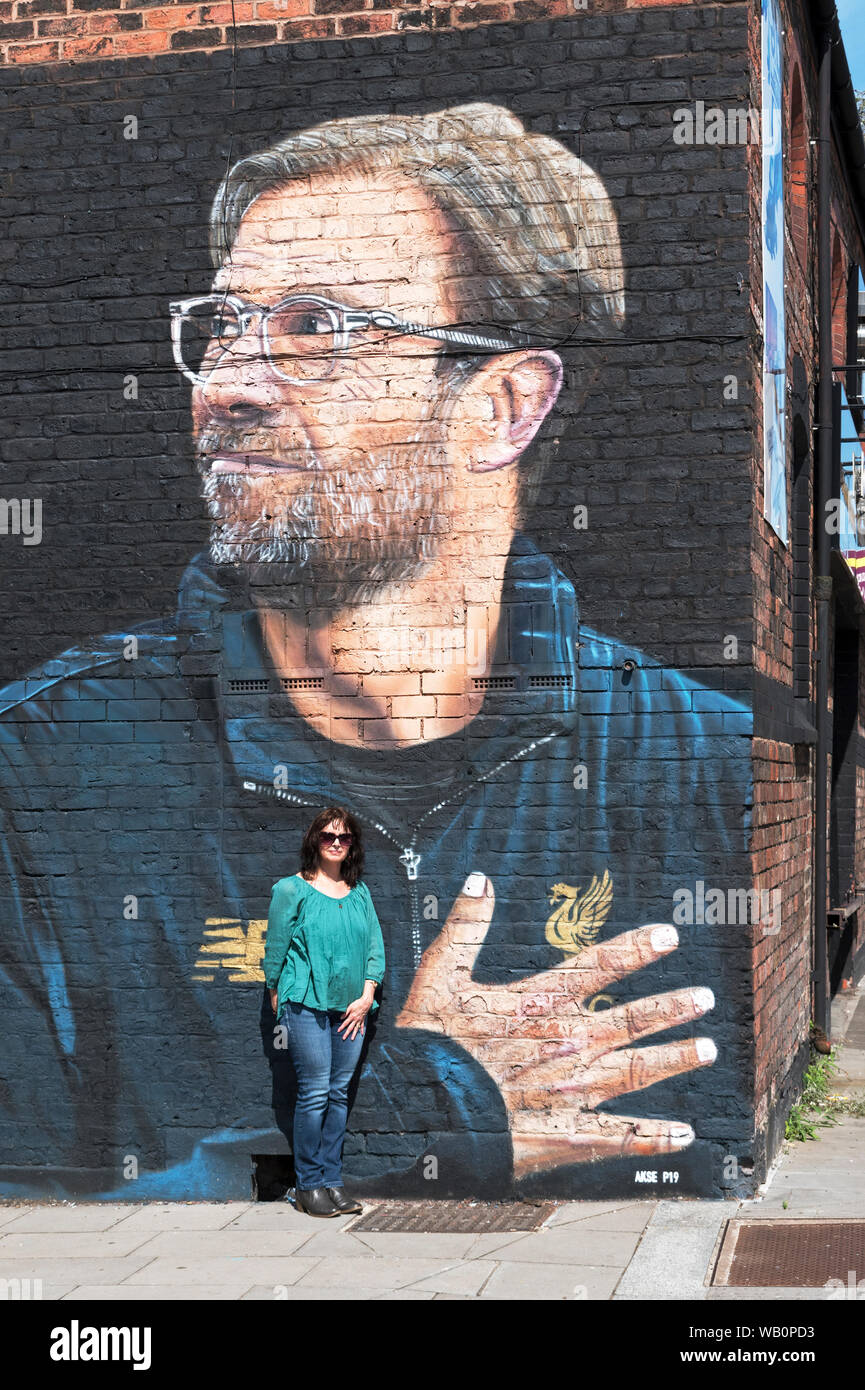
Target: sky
(852, 16)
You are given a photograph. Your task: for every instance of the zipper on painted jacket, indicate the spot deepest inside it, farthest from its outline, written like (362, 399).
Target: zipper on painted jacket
(409, 857)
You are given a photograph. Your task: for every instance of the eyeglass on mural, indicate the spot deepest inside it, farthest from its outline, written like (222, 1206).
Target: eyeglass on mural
(300, 336)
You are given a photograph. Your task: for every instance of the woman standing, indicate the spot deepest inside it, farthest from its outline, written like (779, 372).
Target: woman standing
(323, 960)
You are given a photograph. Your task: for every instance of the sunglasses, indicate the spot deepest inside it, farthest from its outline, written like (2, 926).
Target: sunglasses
(328, 840)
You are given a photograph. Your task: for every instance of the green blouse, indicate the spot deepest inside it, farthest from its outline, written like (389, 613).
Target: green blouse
(320, 950)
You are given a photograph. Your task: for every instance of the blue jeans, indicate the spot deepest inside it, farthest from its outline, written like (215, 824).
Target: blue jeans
(325, 1061)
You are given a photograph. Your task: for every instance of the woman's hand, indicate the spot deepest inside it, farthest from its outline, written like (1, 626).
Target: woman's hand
(353, 1018)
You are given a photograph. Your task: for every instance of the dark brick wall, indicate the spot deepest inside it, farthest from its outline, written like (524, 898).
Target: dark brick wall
(102, 231)
(658, 456)
(39, 31)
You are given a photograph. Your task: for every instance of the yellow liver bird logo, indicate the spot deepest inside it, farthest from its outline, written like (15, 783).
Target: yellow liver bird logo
(580, 913)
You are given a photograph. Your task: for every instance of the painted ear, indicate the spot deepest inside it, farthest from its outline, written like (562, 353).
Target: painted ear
(512, 397)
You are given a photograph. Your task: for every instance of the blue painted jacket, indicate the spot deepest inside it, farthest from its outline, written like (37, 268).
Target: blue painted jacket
(155, 789)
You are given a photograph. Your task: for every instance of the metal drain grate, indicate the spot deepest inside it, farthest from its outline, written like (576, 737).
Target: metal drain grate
(790, 1254)
(454, 1216)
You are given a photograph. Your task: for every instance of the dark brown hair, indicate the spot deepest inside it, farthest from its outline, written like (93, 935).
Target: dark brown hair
(352, 866)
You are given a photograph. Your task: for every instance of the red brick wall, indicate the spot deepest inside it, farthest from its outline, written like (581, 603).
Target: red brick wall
(772, 561)
(39, 31)
(781, 957)
(799, 164)
(782, 843)
(772, 564)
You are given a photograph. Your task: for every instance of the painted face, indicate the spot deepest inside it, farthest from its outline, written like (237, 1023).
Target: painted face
(349, 479)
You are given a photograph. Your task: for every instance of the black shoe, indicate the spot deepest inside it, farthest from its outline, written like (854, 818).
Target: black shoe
(314, 1201)
(343, 1203)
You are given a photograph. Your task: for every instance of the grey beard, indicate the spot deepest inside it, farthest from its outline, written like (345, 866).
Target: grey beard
(353, 530)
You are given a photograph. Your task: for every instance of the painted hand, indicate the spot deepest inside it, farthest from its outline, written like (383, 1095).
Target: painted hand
(553, 1059)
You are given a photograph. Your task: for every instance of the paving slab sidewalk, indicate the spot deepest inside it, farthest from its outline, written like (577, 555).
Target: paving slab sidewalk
(822, 1178)
(252, 1250)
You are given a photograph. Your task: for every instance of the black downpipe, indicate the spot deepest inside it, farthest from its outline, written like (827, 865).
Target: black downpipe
(822, 580)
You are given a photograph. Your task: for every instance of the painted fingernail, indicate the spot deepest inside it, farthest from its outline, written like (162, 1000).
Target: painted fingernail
(703, 1000)
(680, 1135)
(706, 1050)
(474, 885)
(664, 938)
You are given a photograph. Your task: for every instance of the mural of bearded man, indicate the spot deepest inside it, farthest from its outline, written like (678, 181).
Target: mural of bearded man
(406, 316)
